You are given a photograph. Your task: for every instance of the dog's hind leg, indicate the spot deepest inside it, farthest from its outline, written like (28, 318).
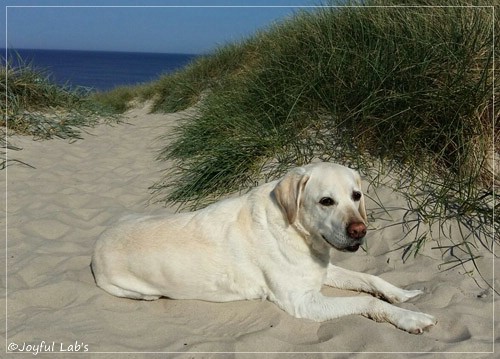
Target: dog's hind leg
(118, 289)
(126, 293)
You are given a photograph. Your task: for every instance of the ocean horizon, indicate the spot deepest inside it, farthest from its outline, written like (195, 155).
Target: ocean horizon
(99, 70)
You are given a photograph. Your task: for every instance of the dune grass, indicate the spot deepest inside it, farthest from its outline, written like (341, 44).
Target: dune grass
(183, 88)
(123, 98)
(410, 88)
(35, 105)
(405, 84)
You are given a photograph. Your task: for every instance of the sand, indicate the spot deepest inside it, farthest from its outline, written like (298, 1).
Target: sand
(57, 210)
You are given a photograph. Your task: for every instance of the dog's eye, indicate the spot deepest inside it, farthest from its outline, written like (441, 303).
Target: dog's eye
(356, 195)
(326, 201)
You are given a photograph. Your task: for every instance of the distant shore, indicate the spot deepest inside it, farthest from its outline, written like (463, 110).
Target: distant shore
(100, 70)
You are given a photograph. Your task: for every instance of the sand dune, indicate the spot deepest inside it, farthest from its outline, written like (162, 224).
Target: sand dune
(58, 209)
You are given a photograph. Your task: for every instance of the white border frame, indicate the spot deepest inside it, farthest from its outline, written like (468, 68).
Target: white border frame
(237, 6)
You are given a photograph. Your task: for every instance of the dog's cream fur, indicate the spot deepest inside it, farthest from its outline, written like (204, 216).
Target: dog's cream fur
(274, 242)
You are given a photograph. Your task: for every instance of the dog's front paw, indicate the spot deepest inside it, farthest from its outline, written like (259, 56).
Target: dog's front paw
(415, 322)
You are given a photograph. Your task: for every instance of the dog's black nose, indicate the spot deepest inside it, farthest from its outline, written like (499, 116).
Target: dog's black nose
(356, 230)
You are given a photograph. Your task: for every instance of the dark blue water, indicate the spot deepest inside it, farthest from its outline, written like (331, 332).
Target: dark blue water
(100, 70)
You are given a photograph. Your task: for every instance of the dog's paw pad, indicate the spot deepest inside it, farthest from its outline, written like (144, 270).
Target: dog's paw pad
(416, 323)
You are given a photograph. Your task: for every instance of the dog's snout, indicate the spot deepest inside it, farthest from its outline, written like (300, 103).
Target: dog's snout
(356, 230)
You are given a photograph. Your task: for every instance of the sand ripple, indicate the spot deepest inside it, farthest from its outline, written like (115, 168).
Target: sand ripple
(57, 210)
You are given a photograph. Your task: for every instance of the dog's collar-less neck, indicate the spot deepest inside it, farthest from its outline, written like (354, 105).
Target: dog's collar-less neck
(319, 254)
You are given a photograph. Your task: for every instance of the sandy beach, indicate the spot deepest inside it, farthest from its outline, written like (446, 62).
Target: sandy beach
(57, 209)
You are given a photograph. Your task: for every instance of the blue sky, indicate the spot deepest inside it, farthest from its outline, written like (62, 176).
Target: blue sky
(128, 25)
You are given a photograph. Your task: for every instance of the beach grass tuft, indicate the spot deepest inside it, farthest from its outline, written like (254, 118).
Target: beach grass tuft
(123, 98)
(410, 88)
(36, 106)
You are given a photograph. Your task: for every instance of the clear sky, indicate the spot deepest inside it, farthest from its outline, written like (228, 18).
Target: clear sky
(194, 26)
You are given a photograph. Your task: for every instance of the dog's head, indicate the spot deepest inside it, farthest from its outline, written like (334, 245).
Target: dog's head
(325, 201)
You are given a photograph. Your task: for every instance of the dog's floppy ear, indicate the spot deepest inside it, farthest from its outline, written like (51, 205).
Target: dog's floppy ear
(289, 190)
(362, 206)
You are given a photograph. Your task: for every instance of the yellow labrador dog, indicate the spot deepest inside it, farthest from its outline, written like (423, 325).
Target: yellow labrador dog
(273, 242)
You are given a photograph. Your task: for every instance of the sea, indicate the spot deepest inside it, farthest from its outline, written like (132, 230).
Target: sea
(99, 70)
